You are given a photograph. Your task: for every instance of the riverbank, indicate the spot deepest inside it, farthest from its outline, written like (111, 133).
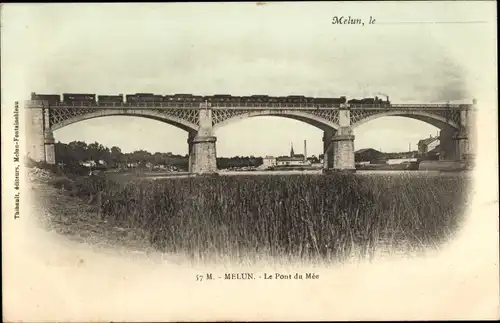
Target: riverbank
(445, 165)
(78, 219)
(395, 167)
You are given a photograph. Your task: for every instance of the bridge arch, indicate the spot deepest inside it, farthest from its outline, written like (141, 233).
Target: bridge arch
(305, 117)
(430, 118)
(155, 115)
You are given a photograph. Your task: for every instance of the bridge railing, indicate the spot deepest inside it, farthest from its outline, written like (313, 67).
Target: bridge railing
(241, 105)
(273, 105)
(430, 105)
(126, 105)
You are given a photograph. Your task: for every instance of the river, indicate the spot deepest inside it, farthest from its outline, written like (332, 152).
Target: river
(294, 172)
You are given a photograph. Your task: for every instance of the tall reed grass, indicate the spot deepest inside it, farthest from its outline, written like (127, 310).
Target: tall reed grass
(329, 217)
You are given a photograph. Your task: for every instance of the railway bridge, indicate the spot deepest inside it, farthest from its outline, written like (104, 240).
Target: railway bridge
(201, 120)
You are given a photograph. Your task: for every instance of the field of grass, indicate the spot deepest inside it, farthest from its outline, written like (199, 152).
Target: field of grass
(307, 217)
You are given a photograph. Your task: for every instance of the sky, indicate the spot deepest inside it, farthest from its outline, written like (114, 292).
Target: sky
(244, 49)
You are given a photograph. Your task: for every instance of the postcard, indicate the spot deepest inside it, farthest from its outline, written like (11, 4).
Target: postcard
(249, 161)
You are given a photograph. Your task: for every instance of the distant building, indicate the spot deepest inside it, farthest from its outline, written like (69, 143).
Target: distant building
(299, 156)
(428, 145)
(268, 161)
(293, 159)
(408, 154)
(313, 159)
(88, 163)
(397, 161)
(367, 154)
(92, 163)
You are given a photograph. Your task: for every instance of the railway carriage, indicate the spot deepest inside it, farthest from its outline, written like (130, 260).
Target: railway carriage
(52, 99)
(235, 100)
(129, 98)
(198, 98)
(274, 99)
(355, 101)
(110, 99)
(282, 99)
(325, 101)
(296, 99)
(144, 98)
(80, 99)
(220, 99)
(309, 100)
(181, 97)
(260, 99)
(169, 98)
(245, 100)
(322, 101)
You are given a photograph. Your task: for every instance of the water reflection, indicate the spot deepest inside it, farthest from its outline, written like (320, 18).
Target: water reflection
(315, 172)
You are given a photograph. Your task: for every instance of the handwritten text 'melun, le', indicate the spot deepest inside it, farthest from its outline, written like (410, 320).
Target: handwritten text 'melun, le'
(348, 20)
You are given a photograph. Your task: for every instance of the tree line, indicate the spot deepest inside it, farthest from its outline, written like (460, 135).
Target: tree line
(78, 152)
(238, 162)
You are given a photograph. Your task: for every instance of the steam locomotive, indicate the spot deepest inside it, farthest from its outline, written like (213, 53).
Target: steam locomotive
(150, 98)
(370, 101)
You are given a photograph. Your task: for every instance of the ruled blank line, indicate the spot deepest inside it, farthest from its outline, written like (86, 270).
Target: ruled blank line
(429, 22)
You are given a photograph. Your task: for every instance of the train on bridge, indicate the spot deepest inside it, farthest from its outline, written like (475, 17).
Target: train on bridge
(226, 99)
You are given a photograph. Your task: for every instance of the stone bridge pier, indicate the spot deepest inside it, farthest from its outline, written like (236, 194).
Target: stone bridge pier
(338, 145)
(455, 143)
(202, 144)
(328, 148)
(447, 144)
(40, 143)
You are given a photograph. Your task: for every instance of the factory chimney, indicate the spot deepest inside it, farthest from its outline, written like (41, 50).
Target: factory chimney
(305, 150)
